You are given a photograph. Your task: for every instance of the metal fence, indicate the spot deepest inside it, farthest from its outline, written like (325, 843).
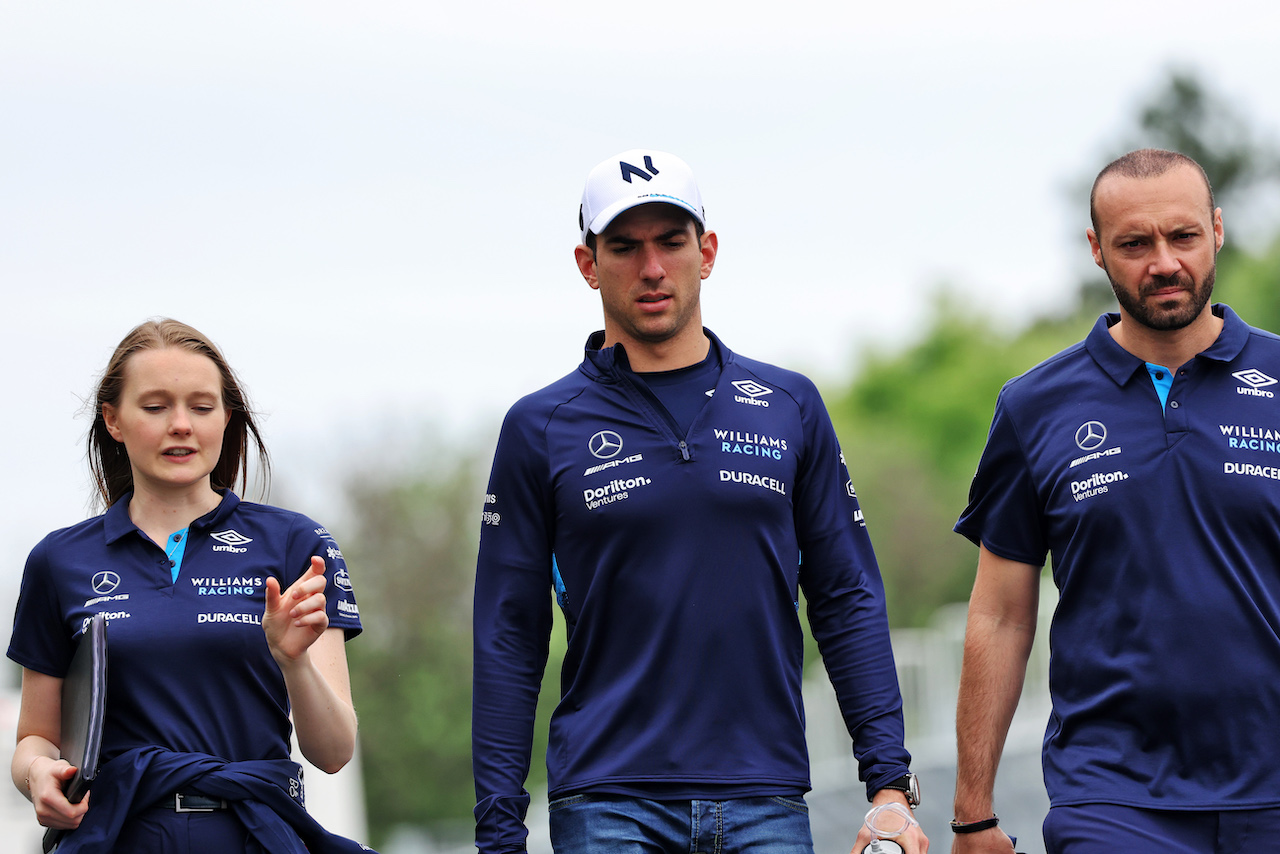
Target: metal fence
(928, 662)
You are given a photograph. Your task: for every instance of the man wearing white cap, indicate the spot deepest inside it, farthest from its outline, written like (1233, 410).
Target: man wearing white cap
(676, 497)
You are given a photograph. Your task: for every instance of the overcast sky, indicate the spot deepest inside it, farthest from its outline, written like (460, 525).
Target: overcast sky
(372, 206)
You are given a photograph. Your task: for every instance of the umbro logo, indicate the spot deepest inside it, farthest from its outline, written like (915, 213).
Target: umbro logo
(231, 541)
(1256, 380)
(751, 388)
(231, 537)
(753, 391)
(1254, 377)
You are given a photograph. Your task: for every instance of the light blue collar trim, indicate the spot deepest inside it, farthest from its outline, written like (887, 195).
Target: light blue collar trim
(1162, 379)
(175, 546)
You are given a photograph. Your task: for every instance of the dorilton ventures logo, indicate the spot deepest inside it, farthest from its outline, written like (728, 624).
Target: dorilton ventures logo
(605, 444)
(614, 490)
(1256, 380)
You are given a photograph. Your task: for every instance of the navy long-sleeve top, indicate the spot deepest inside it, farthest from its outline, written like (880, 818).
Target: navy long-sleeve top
(676, 558)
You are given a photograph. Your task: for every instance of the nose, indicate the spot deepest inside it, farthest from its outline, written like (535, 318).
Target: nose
(1164, 262)
(180, 422)
(651, 268)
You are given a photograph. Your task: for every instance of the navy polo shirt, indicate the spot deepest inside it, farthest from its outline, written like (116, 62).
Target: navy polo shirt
(1164, 532)
(188, 663)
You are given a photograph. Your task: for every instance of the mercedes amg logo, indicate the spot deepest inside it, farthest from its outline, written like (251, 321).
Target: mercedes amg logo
(1090, 435)
(605, 444)
(105, 581)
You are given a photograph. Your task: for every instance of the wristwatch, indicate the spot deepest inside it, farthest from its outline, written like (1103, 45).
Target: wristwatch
(909, 785)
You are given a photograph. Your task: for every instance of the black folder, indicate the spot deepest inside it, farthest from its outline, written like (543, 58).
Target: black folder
(84, 709)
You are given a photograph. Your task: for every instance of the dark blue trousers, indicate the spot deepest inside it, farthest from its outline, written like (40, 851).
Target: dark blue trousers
(1107, 829)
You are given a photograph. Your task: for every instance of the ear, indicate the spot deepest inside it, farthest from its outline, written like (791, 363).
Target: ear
(586, 260)
(1095, 247)
(111, 418)
(710, 246)
(1219, 236)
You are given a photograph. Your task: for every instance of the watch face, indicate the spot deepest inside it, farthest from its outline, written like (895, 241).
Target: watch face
(909, 785)
(913, 790)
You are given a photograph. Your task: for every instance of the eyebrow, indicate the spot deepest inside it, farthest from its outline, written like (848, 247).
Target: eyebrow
(169, 392)
(1184, 228)
(631, 241)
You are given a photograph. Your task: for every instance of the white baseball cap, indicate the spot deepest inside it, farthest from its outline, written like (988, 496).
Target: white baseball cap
(637, 177)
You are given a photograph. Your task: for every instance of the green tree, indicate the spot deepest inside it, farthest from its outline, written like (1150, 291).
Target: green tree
(912, 426)
(413, 556)
(412, 549)
(1249, 284)
(1185, 115)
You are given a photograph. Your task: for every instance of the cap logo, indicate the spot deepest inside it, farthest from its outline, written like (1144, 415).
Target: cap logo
(628, 170)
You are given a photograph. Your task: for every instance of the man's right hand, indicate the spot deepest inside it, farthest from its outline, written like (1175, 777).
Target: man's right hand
(993, 840)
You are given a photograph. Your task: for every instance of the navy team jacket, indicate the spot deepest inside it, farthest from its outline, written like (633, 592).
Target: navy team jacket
(676, 560)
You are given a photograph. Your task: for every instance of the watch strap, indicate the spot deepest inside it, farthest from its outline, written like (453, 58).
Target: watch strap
(909, 785)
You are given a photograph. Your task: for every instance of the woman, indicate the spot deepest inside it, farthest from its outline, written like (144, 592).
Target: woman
(224, 617)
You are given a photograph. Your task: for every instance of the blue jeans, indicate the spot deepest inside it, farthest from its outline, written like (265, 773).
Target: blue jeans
(589, 824)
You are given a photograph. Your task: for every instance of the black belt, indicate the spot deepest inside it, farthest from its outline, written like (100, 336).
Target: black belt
(196, 802)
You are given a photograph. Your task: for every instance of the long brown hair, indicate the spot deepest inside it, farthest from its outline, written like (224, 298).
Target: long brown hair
(108, 459)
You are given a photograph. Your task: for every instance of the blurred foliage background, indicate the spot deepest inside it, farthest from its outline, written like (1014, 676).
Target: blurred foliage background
(912, 423)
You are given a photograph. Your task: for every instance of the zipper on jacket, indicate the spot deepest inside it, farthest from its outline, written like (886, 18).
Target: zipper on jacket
(658, 413)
